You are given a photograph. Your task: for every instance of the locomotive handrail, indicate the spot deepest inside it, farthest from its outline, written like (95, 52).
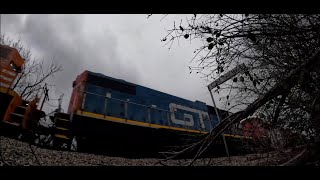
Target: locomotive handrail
(168, 112)
(126, 101)
(129, 102)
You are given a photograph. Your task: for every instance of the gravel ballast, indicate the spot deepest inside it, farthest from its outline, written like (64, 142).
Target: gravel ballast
(17, 153)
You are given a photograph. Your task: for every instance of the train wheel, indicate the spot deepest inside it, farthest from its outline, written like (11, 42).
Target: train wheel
(74, 144)
(51, 144)
(37, 140)
(20, 136)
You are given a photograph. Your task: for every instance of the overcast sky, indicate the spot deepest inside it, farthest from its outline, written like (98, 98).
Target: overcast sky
(121, 46)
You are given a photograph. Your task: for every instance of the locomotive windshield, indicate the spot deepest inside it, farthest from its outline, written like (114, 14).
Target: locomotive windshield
(112, 84)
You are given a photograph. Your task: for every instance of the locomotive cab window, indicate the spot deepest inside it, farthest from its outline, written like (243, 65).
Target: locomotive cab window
(15, 67)
(4, 52)
(116, 85)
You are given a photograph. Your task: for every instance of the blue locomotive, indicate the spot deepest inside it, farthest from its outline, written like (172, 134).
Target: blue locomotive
(111, 111)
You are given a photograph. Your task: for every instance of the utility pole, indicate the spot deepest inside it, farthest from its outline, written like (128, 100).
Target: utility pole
(46, 96)
(218, 116)
(240, 68)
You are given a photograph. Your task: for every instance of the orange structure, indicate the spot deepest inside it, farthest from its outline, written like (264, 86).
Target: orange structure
(11, 63)
(30, 114)
(14, 111)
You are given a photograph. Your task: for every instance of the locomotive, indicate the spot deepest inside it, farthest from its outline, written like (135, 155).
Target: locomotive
(111, 113)
(15, 113)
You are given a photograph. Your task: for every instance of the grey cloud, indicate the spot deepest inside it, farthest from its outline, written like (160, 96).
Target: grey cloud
(122, 46)
(62, 37)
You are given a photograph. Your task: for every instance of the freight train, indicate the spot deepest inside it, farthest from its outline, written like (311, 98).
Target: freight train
(116, 113)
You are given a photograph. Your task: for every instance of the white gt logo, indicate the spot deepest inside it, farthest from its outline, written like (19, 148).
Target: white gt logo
(188, 118)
